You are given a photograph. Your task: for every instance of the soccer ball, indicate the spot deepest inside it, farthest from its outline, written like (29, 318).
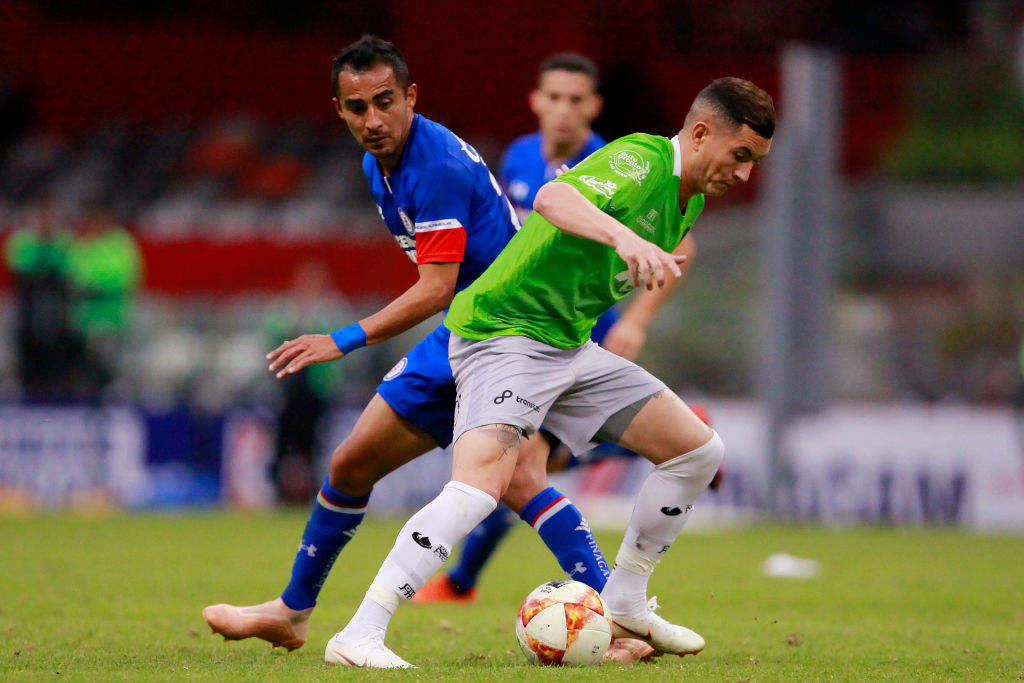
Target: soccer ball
(563, 623)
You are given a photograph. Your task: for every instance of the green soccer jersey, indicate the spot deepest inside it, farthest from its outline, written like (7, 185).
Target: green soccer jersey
(552, 286)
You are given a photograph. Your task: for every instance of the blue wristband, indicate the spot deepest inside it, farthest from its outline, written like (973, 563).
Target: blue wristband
(349, 338)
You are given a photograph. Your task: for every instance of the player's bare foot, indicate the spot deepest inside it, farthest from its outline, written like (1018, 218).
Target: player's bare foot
(663, 635)
(272, 621)
(629, 650)
(441, 589)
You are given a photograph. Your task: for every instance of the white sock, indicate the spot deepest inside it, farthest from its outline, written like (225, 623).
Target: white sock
(422, 547)
(662, 506)
(370, 621)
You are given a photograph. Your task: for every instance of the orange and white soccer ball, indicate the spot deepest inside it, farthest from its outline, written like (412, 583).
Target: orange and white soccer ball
(563, 623)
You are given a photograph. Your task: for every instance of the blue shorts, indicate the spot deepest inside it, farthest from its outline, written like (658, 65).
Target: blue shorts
(421, 388)
(603, 324)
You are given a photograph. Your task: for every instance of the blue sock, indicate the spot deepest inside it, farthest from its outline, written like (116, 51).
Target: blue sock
(331, 525)
(568, 536)
(481, 543)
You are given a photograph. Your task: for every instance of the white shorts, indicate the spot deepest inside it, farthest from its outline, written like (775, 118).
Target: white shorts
(524, 383)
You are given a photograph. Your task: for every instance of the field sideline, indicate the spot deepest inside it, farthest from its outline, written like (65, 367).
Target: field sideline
(119, 598)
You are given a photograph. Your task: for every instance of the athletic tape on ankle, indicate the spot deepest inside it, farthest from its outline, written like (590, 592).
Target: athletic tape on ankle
(635, 562)
(383, 595)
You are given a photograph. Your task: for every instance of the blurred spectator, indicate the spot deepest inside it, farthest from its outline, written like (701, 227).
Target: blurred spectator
(37, 255)
(104, 271)
(310, 305)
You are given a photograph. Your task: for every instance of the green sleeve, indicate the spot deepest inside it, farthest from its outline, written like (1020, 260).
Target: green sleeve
(613, 176)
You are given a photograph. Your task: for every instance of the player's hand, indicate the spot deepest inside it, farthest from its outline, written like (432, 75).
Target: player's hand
(295, 354)
(647, 261)
(564, 168)
(625, 339)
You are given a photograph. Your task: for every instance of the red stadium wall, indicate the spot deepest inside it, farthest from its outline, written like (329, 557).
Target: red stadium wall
(205, 268)
(474, 65)
(474, 68)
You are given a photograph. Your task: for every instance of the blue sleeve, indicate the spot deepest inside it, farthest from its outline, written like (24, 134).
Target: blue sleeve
(443, 192)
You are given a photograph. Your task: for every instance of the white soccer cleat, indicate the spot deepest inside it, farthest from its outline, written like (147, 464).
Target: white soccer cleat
(663, 635)
(272, 621)
(368, 653)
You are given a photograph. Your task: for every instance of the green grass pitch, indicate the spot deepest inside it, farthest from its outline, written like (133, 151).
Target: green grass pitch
(119, 599)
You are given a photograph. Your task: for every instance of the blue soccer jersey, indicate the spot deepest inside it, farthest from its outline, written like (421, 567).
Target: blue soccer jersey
(442, 203)
(524, 168)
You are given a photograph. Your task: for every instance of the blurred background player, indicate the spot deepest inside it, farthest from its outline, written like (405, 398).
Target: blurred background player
(105, 270)
(565, 102)
(47, 351)
(449, 214)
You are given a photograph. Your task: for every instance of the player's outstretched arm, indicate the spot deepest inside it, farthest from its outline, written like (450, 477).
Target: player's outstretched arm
(568, 210)
(629, 334)
(430, 294)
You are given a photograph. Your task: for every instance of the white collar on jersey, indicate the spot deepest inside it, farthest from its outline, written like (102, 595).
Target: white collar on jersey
(677, 163)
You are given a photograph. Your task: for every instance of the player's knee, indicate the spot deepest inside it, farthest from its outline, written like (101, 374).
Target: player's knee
(713, 455)
(702, 462)
(526, 483)
(350, 471)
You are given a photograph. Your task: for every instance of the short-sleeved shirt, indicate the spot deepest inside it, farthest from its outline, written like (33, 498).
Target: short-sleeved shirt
(524, 168)
(552, 286)
(441, 203)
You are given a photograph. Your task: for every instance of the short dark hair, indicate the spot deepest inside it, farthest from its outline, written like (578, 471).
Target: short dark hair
(366, 53)
(573, 62)
(741, 102)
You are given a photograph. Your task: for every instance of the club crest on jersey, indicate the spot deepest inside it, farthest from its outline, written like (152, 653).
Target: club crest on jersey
(397, 370)
(602, 187)
(409, 227)
(630, 165)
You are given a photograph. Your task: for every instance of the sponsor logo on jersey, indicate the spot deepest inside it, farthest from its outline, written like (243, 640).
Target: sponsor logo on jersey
(529, 404)
(629, 165)
(505, 394)
(647, 221)
(443, 224)
(406, 221)
(602, 187)
(397, 370)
